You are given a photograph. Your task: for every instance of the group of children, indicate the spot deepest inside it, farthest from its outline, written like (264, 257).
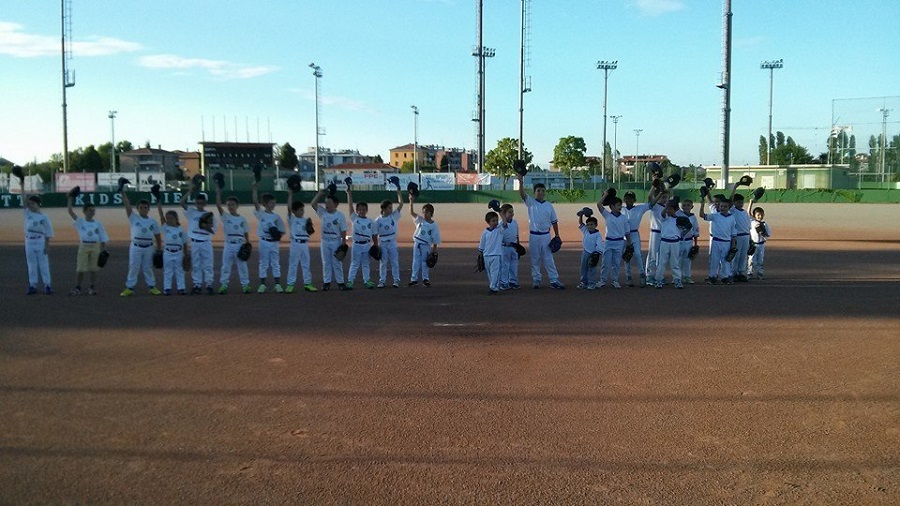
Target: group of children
(736, 248)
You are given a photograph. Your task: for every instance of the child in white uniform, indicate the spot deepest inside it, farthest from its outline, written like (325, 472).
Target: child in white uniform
(426, 239)
(509, 260)
(334, 234)
(201, 243)
(237, 233)
(300, 228)
(541, 218)
(144, 230)
(363, 230)
(634, 213)
(689, 240)
(670, 239)
(386, 237)
(491, 247)
(759, 234)
(591, 242)
(176, 246)
(269, 245)
(618, 236)
(92, 239)
(723, 231)
(38, 232)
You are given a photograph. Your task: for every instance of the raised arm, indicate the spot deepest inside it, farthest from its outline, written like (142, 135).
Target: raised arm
(349, 199)
(126, 203)
(522, 193)
(290, 204)
(162, 216)
(69, 203)
(702, 212)
(184, 198)
(255, 194)
(412, 207)
(315, 201)
(219, 201)
(399, 200)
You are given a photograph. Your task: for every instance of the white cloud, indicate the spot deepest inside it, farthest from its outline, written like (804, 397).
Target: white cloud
(14, 41)
(658, 7)
(218, 68)
(341, 102)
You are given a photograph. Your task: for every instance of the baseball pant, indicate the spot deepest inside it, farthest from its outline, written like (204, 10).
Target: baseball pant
(389, 258)
(299, 255)
(332, 268)
(637, 259)
(738, 265)
(652, 253)
(612, 259)
(669, 255)
(755, 262)
(38, 262)
(718, 250)
(420, 254)
(173, 268)
(539, 247)
(588, 273)
(269, 258)
(229, 259)
(686, 263)
(509, 267)
(359, 257)
(140, 259)
(492, 267)
(202, 263)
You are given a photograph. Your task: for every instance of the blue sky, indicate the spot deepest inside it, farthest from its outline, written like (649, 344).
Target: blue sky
(164, 65)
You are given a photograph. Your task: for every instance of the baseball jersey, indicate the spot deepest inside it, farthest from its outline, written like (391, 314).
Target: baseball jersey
(37, 226)
(142, 230)
(363, 228)
(634, 215)
(722, 226)
(510, 232)
(755, 236)
(654, 217)
(90, 232)
(266, 220)
(695, 225)
(386, 226)
(427, 233)
(491, 243)
(174, 238)
(541, 214)
(332, 223)
(193, 216)
(298, 228)
(617, 225)
(592, 240)
(668, 229)
(741, 221)
(236, 228)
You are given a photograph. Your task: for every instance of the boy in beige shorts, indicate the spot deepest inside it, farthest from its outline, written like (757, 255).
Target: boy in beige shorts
(92, 240)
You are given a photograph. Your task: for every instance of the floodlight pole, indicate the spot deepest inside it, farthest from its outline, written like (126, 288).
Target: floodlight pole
(616, 146)
(637, 147)
(112, 152)
(317, 72)
(605, 66)
(884, 140)
(415, 139)
(771, 65)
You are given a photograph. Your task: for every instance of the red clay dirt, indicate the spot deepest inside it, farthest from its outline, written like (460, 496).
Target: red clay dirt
(783, 391)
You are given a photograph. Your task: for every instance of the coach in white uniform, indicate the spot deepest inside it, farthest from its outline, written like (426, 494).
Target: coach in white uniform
(541, 217)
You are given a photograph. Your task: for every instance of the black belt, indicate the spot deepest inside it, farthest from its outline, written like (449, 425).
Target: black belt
(198, 240)
(88, 242)
(267, 240)
(360, 242)
(664, 239)
(142, 245)
(173, 250)
(301, 241)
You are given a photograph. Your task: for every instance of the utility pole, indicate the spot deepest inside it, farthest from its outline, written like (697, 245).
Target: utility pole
(415, 139)
(67, 80)
(637, 148)
(524, 85)
(616, 146)
(317, 73)
(725, 85)
(112, 152)
(771, 65)
(481, 53)
(605, 66)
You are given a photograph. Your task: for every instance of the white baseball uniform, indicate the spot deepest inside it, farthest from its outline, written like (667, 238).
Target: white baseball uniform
(755, 262)
(722, 228)
(687, 243)
(201, 248)
(591, 241)
(140, 253)
(509, 260)
(491, 246)
(426, 234)
(634, 214)
(173, 254)
(541, 217)
(236, 229)
(333, 224)
(37, 230)
(299, 254)
(269, 247)
(653, 245)
(363, 228)
(91, 235)
(617, 227)
(742, 226)
(386, 228)
(670, 239)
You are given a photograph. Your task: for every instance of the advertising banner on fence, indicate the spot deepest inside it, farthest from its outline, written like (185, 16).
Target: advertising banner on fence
(67, 181)
(372, 178)
(146, 180)
(405, 179)
(438, 181)
(110, 180)
(473, 178)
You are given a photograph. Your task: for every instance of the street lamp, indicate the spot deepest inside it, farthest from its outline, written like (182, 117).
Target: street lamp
(605, 66)
(884, 141)
(415, 139)
(637, 148)
(771, 66)
(317, 72)
(112, 152)
(616, 146)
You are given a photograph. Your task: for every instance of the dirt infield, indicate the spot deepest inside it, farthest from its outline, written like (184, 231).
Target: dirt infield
(776, 392)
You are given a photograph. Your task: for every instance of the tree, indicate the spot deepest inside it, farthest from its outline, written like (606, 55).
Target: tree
(287, 157)
(445, 163)
(568, 155)
(763, 150)
(104, 151)
(873, 154)
(407, 167)
(378, 159)
(499, 161)
(124, 147)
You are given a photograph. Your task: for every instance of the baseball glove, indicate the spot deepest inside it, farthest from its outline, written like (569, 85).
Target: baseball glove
(683, 223)
(309, 227)
(731, 254)
(198, 180)
(375, 252)
(219, 179)
(654, 169)
(520, 167)
(257, 173)
(520, 250)
(658, 184)
(594, 259)
(745, 181)
(158, 259)
(555, 244)
(186, 261)
(122, 182)
(761, 230)
(331, 189)
(348, 181)
(341, 252)
(610, 195)
(628, 254)
(413, 189)
(275, 233)
(494, 205)
(207, 220)
(758, 193)
(709, 183)
(244, 251)
(704, 191)
(154, 190)
(394, 180)
(587, 212)
(479, 262)
(693, 252)
(102, 258)
(431, 259)
(673, 180)
(293, 183)
(18, 172)
(752, 249)
(74, 192)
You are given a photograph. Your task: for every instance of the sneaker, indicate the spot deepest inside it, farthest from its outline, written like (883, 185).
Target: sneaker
(679, 286)
(369, 284)
(514, 286)
(712, 281)
(31, 290)
(262, 289)
(326, 287)
(592, 286)
(91, 291)
(687, 281)
(246, 289)
(556, 285)
(343, 287)
(223, 289)
(412, 283)
(289, 289)
(310, 288)
(658, 285)
(650, 281)
(629, 281)
(74, 291)
(48, 290)
(601, 284)
(181, 291)
(616, 284)
(167, 292)
(729, 281)
(128, 292)
(210, 291)
(396, 284)
(278, 288)
(760, 277)
(536, 286)
(426, 282)
(504, 287)
(349, 285)
(380, 285)
(493, 292)
(581, 286)
(154, 291)
(742, 278)
(196, 290)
